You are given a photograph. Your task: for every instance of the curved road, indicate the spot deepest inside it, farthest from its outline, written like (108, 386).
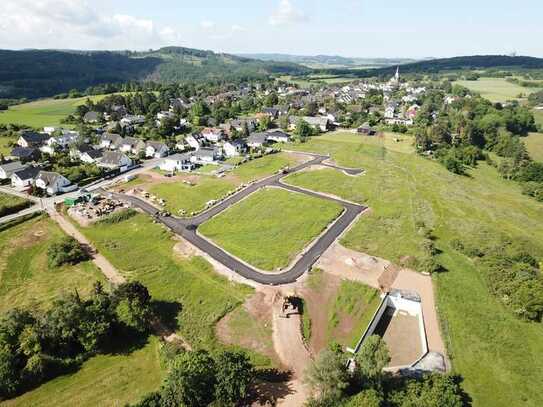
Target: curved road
(188, 227)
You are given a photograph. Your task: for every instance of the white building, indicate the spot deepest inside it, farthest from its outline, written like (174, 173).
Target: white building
(177, 162)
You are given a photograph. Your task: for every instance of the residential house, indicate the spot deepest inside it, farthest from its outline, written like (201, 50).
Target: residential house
(91, 117)
(7, 169)
(91, 156)
(234, 148)
(156, 149)
(52, 182)
(321, 123)
(257, 140)
(278, 136)
(271, 112)
(76, 151)
(390, 110)
(24, 178)
(213, 135)
(163, 116)
(32, 139)
(115, 160)
(366, 129)
(25, 154)
(110, 141)
(177, 162)
(131, 145)
(206, 155)
(194, 141)
(132, 120)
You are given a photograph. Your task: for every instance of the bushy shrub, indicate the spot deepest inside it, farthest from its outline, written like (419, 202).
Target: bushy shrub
(118, 216)
(66, 251)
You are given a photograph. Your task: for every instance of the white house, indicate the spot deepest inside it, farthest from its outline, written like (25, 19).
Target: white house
(52, 182)
(177, 162)
(193, 141)
(257, 140)
(91, 156)
(110, 141)
(156, 149)
(32, 139)
(131, 145)
(115, 159)
(24, 178)
(7, 170)
(213, 135)
(278, 136)
(132, 120)
(206, 155)
(234, 148)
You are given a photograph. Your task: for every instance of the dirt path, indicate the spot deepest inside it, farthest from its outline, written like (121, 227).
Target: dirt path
(109, 271)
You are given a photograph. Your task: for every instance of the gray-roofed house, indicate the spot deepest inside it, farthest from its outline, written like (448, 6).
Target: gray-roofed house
(7, 169)
(257, 140)
(278, 136)
(24, 178)
(206, 155)
(177, 162)
(234, 148)
(91, 156)
(156, 149)
(52, 182)
(32, 139)
(110, 141)
(131, 145)
(25, 154)
(115, 160)
(91, 117)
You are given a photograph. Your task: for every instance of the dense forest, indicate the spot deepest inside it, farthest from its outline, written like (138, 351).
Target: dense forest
(41, 73)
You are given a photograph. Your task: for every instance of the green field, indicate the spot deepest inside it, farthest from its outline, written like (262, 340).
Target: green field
(499, 356)
(180, 196)
(269, 228)
(5, 144)
(497, 89)
(25, 278)
(534, 144)
(538, 115)
(45, 112)
(104, 380)
(143, 251)
(11, 204)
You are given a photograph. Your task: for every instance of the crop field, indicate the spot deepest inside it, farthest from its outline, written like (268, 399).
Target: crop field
(534, 144)
(11, 204)
(25, 278)
(189, 289)
(498, 355)
(45, 112)
(497, 89)
(270, 227)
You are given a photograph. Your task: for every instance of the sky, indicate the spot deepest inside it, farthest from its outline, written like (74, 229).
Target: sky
(355, 28)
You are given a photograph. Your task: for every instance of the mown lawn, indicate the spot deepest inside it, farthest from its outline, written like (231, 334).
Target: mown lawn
(11, 204)
(499, 356)
(45, 112)
(271, 226)
(534, 144)
(183, 197)
(497, 89)
(180, 196)
(25, 278)
(189, 289)
(104, 380)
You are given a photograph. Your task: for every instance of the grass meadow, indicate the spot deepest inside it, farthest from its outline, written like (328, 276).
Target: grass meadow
(499, 356)
(11, 204)
(534, 145)
(497, 89)
(270, 227)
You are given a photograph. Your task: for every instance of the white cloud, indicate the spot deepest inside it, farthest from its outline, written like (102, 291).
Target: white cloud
(207, 25)
(237, 28)
(287, 14)
(76, 24)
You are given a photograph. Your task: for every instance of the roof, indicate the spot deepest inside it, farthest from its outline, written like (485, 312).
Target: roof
(206, 152)
(278, 134)
(48, 177)
(94, 153)
(112, 157)
(13, 166)
(27, 173)
(112, 137)
(24, 152)
(257, 138)
(156, 144)
(178, 157)
(90, 116)
(33, 137)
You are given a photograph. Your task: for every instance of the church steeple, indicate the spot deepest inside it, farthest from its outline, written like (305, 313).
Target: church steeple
(397, 76)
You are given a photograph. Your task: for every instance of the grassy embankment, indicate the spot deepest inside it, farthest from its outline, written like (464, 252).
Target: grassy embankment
(11, 204)
(499, 356)
(270, 227)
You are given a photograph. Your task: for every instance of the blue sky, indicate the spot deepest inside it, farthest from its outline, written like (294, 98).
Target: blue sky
(362, 28)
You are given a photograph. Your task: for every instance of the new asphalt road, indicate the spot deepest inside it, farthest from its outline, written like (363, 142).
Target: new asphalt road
(188, 227)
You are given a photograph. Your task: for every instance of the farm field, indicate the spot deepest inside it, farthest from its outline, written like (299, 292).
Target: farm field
(270, 227)
(11, 204)
(188, 288)
(25, 278)
(45, 112)
(104, 380)
(193, 198)
(534, 144)
(498, 355)
(496, 89)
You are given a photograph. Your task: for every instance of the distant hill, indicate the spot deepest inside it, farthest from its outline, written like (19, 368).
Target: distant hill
(331, 61)
(39, 73)
(449, 64)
